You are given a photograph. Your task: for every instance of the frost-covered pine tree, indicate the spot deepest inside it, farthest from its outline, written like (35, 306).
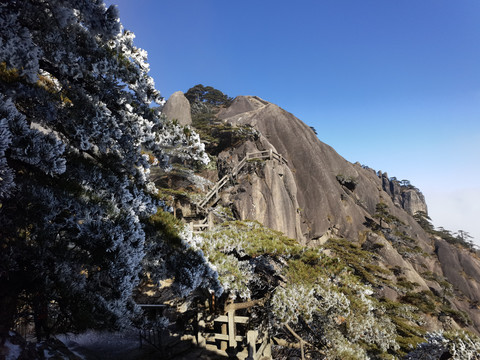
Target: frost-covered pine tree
(75, 119)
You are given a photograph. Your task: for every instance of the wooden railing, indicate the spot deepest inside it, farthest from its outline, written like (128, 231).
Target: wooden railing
(266, 154)
(154, 337)
(202, 225)
(213, 194)
(228, 339)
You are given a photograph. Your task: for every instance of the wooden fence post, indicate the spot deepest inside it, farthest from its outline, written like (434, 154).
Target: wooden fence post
(201, 341)
(224, 344)
(232, 342)
(252, 344)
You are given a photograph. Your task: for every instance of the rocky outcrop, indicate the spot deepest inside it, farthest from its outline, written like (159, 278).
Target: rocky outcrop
(460, 268)
(178, 108)
(413, 201)
(391, 257)
(265, 190)
(404, 195)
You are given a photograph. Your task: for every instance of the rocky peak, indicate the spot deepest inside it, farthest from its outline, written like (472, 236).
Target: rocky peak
(242, 104)
(315, 167)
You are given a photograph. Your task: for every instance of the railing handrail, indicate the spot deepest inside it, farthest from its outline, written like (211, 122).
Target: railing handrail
(152, 337)
(265, 154)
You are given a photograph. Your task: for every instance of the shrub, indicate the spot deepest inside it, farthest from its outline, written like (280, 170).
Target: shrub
(349, 182)
(422, 300)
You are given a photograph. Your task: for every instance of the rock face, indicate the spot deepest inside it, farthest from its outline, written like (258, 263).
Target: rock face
(406, 196)
(327, 206)
(413, 201)
(266, 191)
(178, 107)
(460, 268)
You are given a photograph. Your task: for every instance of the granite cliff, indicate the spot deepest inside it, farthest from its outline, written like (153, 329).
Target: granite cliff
(334, 195)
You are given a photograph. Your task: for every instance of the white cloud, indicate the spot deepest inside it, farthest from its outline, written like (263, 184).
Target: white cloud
(456, 210)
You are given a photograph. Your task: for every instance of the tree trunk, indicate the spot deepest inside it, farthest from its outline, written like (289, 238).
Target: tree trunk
(8, 307)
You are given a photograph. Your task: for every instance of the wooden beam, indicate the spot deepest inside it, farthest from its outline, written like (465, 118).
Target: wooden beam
(231, 329)
(244, 305)
(224, 337)
(237, 319)
(252, 344)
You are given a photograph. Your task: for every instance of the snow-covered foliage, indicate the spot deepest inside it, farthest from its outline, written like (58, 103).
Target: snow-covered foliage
(225, 247)
(173, 251)
(343, 319)
(455, 345)
(318, 296)
(75, 115)
(200, 273)
(288, 309)
(173, 135)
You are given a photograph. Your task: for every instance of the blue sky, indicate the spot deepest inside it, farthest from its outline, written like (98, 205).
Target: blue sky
(394, 85)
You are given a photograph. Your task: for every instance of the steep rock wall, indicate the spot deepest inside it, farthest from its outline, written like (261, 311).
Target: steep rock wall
(328, 208)
(264, 191)
(460, 268)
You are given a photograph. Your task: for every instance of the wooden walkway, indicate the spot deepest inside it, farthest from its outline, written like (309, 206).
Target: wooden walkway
(214, 194)
(231, 341)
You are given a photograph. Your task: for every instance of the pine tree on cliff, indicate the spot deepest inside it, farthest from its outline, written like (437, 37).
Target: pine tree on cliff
(75, 116)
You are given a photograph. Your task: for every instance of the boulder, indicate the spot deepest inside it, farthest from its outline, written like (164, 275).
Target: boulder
(178, 108)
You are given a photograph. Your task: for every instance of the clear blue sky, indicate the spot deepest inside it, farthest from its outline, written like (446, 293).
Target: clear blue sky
(392, 84)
